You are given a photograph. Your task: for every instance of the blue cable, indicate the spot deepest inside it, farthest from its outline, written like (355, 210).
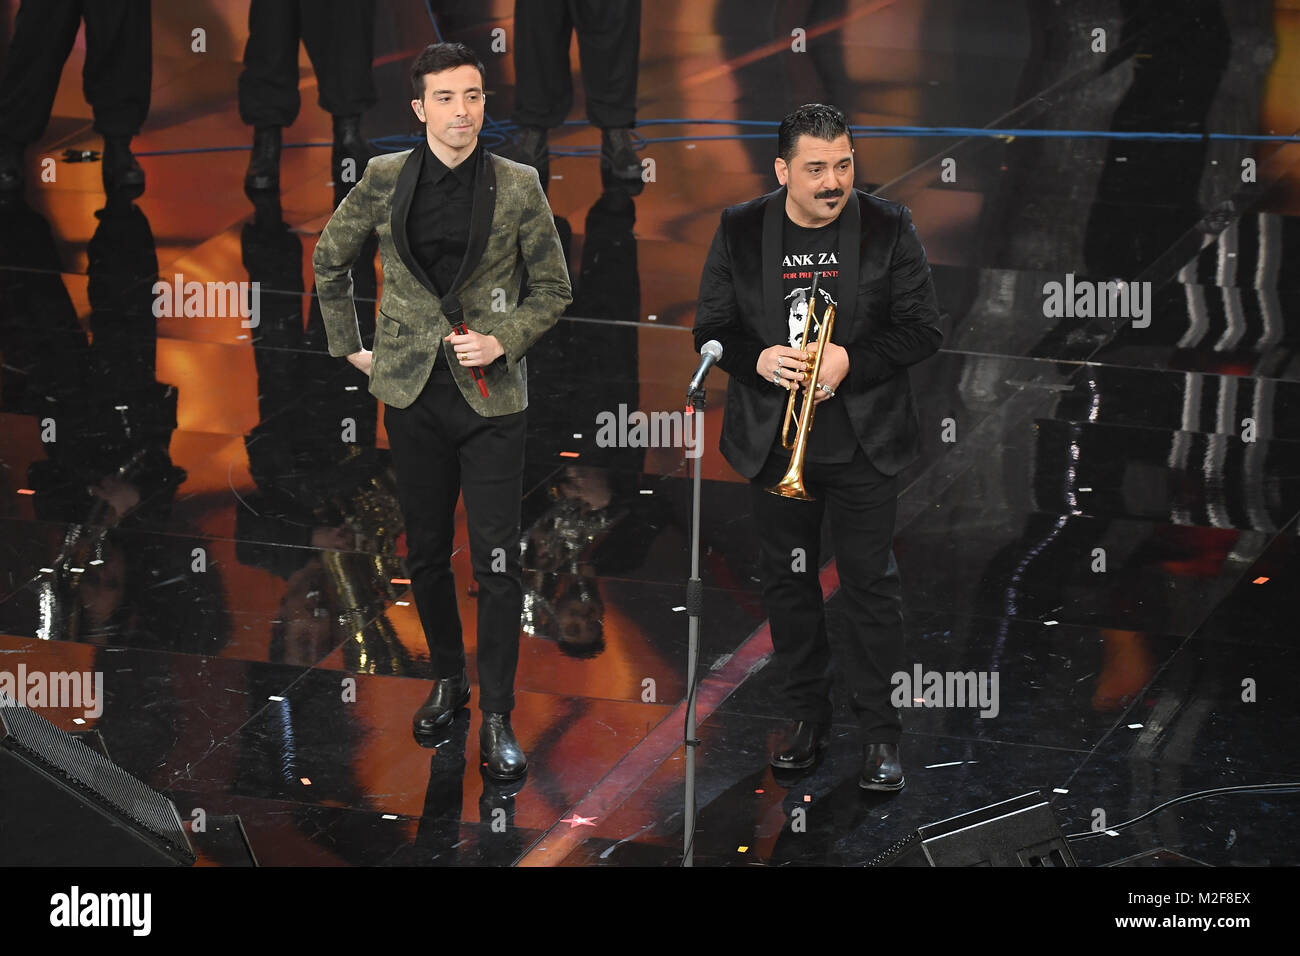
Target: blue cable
(500, 133)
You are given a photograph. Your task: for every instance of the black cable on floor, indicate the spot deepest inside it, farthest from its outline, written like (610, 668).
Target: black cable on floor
(1198, 795)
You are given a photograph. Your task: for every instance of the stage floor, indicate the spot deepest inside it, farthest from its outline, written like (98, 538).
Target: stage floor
(1105, 513)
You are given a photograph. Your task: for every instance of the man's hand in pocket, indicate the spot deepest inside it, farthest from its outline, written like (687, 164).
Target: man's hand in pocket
(362, 360)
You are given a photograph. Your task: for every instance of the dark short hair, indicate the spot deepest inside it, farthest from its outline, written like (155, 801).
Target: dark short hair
(437, 57)
(813, 119)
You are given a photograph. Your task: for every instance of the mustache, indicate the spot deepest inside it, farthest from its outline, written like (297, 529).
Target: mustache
(829, 194)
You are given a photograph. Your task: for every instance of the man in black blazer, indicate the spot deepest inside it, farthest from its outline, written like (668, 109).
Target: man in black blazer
(755, 295)
(459, 228)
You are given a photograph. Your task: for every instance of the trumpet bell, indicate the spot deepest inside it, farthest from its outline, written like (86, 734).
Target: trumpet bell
(791, 486)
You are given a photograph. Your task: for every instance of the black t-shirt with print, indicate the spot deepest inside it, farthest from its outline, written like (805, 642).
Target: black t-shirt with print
(805, 251)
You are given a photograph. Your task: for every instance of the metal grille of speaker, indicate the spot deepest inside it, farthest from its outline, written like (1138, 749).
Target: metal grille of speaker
(900, 852)
(99, 779)
(1021, 831)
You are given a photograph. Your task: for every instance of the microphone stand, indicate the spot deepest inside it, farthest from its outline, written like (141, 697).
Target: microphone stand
(694, 606)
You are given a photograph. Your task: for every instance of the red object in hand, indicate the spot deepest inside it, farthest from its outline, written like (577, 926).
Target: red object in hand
(461, 329)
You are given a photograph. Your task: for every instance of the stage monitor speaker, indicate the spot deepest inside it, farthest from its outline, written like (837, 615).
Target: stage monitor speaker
(63, 804)
(1018, 832)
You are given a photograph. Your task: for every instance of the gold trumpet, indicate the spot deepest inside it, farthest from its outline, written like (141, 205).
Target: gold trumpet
(791, 486)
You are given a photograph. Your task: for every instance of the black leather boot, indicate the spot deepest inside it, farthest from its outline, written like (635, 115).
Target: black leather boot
(618, 163)
(501, 752)
(447, 697)
(264, 161)
(348, 144)
(881, 768)
(800, 743)
(531, 147)
(11, 167)
(119, 168)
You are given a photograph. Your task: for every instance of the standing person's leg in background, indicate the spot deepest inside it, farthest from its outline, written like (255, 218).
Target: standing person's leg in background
(116, 80)
(44, 31)
(543, 84)
(339, 37)
(268, 86)
(609, 46)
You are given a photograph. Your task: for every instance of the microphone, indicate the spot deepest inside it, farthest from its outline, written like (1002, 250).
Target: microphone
(460, 329)
(709, 355)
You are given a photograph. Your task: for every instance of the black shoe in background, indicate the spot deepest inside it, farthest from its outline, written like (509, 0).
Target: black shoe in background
(618, 163)
(120, 169)
(11, 167)
(349, 144)
(531, 147)
(264, 161)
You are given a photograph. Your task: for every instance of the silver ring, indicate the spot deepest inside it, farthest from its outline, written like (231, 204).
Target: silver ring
(778, 362)
(776, 378)
(827, 389)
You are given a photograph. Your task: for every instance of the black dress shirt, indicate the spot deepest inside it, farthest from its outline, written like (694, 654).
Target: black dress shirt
(437, 225)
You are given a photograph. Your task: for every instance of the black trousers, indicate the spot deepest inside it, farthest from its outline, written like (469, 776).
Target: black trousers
(862, 504)
(115, 78)
(609, 46)
(339, 37)
(441, 447)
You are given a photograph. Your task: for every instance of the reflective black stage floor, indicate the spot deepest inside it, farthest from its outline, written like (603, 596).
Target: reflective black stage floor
(1106, 513)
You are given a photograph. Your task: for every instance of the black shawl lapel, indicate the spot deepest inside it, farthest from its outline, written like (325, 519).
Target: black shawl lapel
(402, 196)
(773, 321)
(480, 217)
(480, 224)
(846, 285)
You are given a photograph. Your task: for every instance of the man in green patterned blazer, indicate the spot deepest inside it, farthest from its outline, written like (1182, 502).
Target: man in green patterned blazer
(459, 230)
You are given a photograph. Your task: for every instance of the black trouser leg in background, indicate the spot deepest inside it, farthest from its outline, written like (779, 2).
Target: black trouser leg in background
(118, 73)
(543, 85)
(339, 37)
(268, 85)
(117, 70)
(609, 46)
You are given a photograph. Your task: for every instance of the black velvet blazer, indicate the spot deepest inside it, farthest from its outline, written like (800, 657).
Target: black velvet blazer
(895, 323)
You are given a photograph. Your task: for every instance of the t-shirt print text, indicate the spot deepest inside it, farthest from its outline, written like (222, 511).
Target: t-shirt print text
(810, 259)
(824, 273)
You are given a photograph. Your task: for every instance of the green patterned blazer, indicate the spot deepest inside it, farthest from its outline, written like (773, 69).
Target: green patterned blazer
(512, 234)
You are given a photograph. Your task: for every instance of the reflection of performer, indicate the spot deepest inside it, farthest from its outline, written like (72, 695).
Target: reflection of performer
(865, 428)
(445, 211)
(109, 475)
(562, 600)
(324, 516)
